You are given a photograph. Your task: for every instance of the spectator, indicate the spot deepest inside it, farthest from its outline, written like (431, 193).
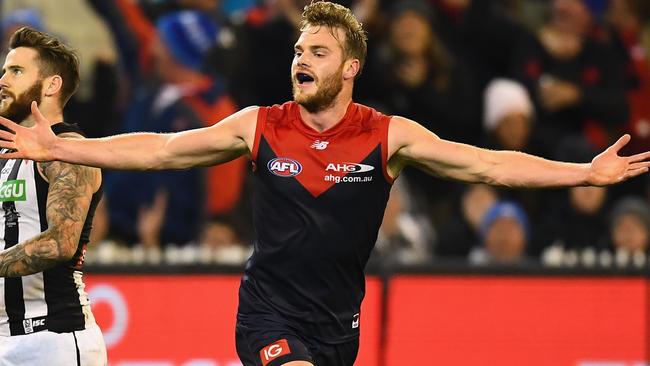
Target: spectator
(222, 239)
(405, 237)
(577, 221)
(630, 225)
(575, 77)
(629, 20)
(504, 234)
(630, 23)
(414, 76)
(574, 218)
(268, 27)
(508, 116)
(481, 33)
(167, 207)
(158, 8)
(463, 231)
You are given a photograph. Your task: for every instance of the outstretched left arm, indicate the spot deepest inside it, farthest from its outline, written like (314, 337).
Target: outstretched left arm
(70, 192)
(412, 144)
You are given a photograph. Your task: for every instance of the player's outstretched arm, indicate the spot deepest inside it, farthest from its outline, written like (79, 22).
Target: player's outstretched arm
(412, 144)
(69, 195)
(218, 143)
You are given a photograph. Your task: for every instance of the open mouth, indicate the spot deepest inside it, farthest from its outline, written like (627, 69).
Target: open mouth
(304, 78)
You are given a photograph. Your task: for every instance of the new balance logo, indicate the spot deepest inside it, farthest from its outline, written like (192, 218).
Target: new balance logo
(320, 145)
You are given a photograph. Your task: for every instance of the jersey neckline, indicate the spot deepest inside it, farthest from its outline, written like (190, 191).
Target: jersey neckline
(309, 131)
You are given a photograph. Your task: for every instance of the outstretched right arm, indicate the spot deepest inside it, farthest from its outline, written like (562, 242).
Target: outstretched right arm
(226, 140)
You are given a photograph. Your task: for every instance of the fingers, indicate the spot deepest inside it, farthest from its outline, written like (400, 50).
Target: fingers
(631, 173)
(640, 165)
(12, 155)
(6, 135)
(7, 145)
(618, 145)
(639, 157)
(38, 116)
(9, 124)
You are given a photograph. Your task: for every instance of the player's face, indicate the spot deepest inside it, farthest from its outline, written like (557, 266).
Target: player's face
(20, 84)
(317, 68)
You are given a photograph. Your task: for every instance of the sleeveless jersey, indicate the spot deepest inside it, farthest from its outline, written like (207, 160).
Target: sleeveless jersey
(55, 298)
(319, 199)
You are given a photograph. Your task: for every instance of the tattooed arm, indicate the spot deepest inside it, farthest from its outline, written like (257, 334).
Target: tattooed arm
(71, 189)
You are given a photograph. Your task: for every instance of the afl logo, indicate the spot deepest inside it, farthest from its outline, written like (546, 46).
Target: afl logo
(284, 167)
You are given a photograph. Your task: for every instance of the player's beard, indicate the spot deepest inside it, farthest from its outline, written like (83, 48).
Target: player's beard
(20, 107)
(325, 94)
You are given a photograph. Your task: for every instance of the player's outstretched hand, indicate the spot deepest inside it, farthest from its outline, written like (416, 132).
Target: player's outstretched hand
(610, 168)
(34, 143)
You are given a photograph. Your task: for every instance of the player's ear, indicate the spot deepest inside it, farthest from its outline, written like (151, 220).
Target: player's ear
(52, 85)
(351, 68)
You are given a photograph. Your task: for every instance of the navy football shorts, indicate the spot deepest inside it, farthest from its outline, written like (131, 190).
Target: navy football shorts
(261, 345)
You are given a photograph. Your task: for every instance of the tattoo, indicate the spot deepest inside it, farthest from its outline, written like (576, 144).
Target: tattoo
(70, 192)
(33, 256)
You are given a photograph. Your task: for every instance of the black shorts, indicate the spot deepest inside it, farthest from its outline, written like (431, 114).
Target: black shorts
(260, 345)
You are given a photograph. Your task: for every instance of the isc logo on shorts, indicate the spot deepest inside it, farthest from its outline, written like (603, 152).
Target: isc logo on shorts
(284, 167)
(274, 350)
(30, 324)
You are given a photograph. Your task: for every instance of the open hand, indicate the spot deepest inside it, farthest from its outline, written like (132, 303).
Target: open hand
(33, 143)
(609, 168)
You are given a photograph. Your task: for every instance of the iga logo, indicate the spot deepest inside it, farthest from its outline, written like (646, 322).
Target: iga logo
(349, 167)
(284, 167)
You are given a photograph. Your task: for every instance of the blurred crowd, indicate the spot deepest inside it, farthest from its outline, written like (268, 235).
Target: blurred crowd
(562, 79)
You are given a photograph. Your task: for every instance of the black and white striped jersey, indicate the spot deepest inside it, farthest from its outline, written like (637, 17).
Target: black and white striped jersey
(54, 299)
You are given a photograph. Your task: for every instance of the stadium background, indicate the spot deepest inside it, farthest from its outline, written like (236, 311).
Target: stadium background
(168, 248)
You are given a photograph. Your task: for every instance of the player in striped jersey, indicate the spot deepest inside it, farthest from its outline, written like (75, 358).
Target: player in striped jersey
(323, 167)
(47, 211)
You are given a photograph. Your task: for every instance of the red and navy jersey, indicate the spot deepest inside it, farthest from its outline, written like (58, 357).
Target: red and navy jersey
(319, 199)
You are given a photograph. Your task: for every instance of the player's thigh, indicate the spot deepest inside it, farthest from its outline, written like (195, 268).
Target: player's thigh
(92, 349)
(54, 349)
(341, 354)
(42, 348)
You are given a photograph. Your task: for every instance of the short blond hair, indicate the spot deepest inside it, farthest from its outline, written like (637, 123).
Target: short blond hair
(325, 13)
